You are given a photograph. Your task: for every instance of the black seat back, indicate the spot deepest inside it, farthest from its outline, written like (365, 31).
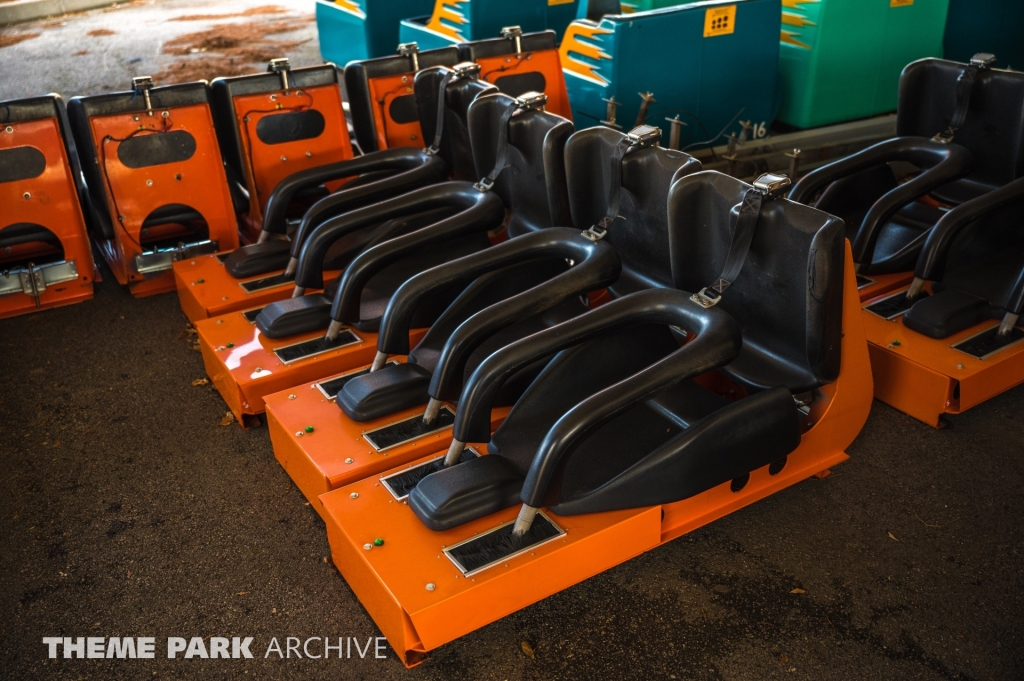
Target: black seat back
(642, 237)
(994, 128)
(381, 102)
(532, 184)
(788, 298)
(461, 91)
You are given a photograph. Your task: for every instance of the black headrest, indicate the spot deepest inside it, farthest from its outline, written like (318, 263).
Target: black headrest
(496, 47)
(532, 185)
(358, 75)
(641, 238)
(224, 90)
(994, 128)
(460, 93)
(788, 298)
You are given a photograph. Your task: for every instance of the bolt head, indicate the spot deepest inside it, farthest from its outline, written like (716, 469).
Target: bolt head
(26, 196)
(354, 495)
(220, 321)
(224, 298)
(367, 546)
(291, 397)
(431, 586)
(149, 183)
(959, 366)
(309, 154)
(350, 460)
(259, 369)
(284, 158)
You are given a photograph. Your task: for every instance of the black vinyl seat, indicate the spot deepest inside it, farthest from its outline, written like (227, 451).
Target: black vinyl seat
(524, 285)
(614, 420)
(960, 125)
(379, 174)
(388, 242)
(974, 259)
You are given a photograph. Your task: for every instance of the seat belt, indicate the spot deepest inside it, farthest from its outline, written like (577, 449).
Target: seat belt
(766, 188)
(466, 69)
(637, 138)
(964, 87)
(528, 101)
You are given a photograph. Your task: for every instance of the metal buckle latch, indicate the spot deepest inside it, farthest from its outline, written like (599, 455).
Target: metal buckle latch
(772, 185)
(33, 280)
(466, 69)
(706, 299)
(484, 185)
(412, 51)
(515, 34)
(531, 101)
(644, 136)
(161, 259)
(983, 60)
(282, 66)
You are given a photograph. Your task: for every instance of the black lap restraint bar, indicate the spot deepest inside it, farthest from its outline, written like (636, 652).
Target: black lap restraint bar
(524, 102)
(466, 69)
(637, 138)
(964, 87)
(767, 187)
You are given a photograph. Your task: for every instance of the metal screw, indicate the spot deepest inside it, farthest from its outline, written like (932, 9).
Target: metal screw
(259, 369)
(959, 366)
(220, 321)
(367, 546)
(273, 98)
(299, 433)
(350, 460)
(291, 397)
(149, 183)
(224, 298)
(431, 586)
(135, 118)
(284, 158)
(309, 154)
(354, 495)
(26, 196)
(9, 129)
(166, 114)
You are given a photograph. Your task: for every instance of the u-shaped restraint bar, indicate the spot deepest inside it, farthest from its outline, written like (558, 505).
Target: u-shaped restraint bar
(715, 342)
(944, 163)
(596, 265)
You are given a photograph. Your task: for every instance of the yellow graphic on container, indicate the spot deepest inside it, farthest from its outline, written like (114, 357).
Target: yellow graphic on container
(574, 50)
(351, 6)
(790, 38)
(552, 3)
(446, 13)
(719, 21)
(795, 4)
(900, 3)
(796, 19)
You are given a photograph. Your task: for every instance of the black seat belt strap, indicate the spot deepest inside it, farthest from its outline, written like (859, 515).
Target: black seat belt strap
(744, 222)
(638, 137)
(461, 70)
(964, 88)
(525, 102)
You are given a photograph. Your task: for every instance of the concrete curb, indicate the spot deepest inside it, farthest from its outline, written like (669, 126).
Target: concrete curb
(27, 10)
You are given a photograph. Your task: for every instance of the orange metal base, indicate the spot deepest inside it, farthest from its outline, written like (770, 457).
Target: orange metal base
(420, 600)
(926, 377)
(205, 289)
(335, 453)
(241, 361)
(884, 283)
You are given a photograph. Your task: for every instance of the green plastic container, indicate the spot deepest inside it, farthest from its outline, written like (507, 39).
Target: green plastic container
(841, 59)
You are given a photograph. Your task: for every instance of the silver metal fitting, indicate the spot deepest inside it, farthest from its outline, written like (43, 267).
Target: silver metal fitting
(515, 34)
(412, 51)
(772, 185)
(644, 136)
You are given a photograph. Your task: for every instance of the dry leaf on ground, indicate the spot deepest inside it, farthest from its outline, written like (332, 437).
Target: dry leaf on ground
(200, 381)
(528, 649)
(228, 419)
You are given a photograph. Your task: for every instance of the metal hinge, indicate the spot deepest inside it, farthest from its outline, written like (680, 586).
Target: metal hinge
(33, 280)
(160, 259)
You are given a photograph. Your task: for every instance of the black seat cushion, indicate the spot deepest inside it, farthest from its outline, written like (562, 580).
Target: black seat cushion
(390, 389)
(455, 495)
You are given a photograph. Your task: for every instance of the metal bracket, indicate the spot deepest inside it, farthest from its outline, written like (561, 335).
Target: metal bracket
(412, 51)
(33, 280)
(467, 69)
(531, 101)
(644, 136)
(675, 131)
(141, 85)
(704, 299)
(160, 259)
(772, 185)
(611, 112)
(646, 99)
(282, 66)
(515, 34)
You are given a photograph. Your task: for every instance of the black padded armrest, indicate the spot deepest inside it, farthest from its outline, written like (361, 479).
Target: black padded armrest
(412, 168)
(931, 263)
(942, 163)
(481, 212)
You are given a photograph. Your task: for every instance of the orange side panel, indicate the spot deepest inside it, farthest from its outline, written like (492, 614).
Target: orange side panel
(390, 133)
(545, 62)
(926, 377)
(134, 193)
(49, 200)
(884, 283)
(335, 453)
(242, 365)
(268, 164)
